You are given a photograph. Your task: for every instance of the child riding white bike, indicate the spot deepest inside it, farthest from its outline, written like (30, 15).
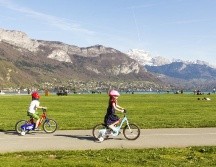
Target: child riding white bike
(111, 119)
(102, 131)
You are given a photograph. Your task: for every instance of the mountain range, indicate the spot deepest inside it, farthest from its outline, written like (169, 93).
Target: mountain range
(26, 62)
(181, 74)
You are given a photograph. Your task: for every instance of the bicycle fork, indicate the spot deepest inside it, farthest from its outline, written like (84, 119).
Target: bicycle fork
(128, 126)
(127, 123)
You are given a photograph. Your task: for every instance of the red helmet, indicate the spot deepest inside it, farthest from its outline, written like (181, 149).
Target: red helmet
(35, 95)
(114, 93)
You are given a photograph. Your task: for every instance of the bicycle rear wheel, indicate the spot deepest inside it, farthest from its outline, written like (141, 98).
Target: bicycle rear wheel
(97, 128)
(131, 132)
(50, 126)
(18, 126)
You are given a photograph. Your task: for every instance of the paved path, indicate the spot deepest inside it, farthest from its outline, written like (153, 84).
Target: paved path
(82, 139)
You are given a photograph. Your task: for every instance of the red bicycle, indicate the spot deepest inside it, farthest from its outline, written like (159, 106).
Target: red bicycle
(49, 125)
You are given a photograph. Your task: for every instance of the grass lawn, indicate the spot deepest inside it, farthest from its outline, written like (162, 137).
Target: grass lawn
(163, 157)
(84, 111)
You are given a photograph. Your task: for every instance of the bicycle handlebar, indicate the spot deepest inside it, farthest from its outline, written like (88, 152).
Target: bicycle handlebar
(44, 109)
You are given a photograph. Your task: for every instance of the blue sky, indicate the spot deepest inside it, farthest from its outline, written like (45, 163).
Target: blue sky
(174, 29)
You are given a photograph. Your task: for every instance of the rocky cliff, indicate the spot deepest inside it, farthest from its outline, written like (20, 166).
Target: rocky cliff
(28, 62)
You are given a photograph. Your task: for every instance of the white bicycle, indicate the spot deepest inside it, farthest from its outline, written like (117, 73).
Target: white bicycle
(130, 131)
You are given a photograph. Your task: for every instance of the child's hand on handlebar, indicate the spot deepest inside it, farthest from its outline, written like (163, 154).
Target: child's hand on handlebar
(124, 111)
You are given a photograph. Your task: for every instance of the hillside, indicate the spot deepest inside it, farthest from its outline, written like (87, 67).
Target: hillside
(25, 62)
(187, 75)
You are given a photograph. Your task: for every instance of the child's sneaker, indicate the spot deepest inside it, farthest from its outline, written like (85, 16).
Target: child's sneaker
(36, 129)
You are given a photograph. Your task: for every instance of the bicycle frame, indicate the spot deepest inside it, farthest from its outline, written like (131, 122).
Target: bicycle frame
(31, 121)
(122, 121)
(118, 128)
(42, 117)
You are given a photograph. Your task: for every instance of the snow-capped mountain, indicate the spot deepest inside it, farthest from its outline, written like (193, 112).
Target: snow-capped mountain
(145, 58)
(187, 74)
(141, 56)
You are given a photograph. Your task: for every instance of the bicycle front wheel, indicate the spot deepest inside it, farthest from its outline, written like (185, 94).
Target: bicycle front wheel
(131, 132)
(18, 126)
(96, 129)
(50, 126)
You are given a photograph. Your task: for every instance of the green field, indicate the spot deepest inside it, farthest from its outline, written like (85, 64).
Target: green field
(162, 157)
(84, 111)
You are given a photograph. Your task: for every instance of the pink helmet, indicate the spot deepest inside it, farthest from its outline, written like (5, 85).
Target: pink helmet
(114, 93)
